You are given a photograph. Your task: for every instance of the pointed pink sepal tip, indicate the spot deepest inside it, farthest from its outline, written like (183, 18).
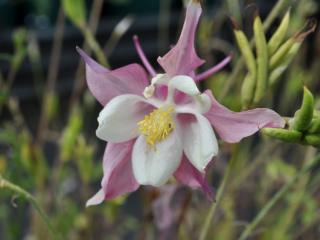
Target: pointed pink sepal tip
(96, 199)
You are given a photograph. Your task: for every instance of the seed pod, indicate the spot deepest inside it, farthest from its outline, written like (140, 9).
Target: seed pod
(312, 139)
(276, 73)
(283, 134)
(277, 58)
(308, 28)
(262, 59)
(303, 117)
(286, 60)
(247, 90)
(298, 38)
(314, 126)
(245, 48)
(280, 33)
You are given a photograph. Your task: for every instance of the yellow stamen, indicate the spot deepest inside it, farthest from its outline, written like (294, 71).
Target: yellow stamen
(157, 125)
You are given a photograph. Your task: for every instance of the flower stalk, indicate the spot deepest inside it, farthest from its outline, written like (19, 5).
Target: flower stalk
(212, 211)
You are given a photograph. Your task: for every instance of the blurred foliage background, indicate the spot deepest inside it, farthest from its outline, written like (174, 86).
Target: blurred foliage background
(48, 118)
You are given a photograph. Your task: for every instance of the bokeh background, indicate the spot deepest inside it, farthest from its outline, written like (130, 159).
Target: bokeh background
(48, 119)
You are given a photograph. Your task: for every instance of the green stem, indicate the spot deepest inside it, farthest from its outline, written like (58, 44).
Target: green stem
(262, 156)
(15, 188)
(215, 205)
(265, 210)
(94, 45)
(95, 15)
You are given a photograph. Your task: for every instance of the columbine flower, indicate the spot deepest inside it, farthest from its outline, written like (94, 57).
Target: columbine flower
(163, 129)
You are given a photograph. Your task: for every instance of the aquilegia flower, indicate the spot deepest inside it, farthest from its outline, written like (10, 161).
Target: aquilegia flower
(164, 128)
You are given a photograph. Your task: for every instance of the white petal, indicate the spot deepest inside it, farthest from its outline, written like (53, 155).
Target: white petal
(184, 84)
(199, 141)
(160, 79)
(118, 119)
(203, 103)
(155, 165)
(96, 199)
(200, 105)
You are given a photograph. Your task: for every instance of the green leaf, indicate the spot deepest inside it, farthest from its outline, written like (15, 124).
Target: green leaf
(84, 159)
(70, 134)
(76, 11)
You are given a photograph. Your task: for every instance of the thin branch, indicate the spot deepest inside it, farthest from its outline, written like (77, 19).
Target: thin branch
(280, 194)
(26, 195)
(212, 211)
(79, 76)
(52, 74)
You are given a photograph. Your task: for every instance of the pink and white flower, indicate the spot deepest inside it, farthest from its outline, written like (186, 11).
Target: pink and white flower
(163, 128)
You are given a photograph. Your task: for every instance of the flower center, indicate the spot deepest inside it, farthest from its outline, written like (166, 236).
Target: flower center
(157, 125)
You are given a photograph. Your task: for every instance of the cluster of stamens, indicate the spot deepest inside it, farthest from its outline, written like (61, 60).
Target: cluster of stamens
(157, 125)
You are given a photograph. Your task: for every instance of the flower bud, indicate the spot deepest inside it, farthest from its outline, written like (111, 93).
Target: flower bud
(312, 139)
(303, 116)
(283, 134)
(314, 126)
